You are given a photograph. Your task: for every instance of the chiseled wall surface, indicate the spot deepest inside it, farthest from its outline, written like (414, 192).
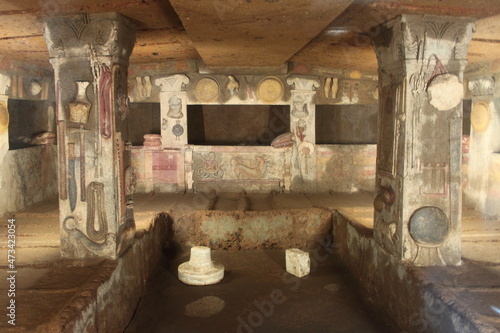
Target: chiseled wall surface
(27, 176)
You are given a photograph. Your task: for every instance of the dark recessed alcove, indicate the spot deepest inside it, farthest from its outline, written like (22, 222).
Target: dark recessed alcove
(466, 117)
(346, 124)
(27, 118)
(143, 118)
(248, 125)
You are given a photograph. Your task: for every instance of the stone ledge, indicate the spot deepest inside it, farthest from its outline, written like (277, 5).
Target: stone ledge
(108, 297)
(433, 307)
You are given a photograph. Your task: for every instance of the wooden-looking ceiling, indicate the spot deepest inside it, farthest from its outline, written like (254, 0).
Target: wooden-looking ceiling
(247, 33)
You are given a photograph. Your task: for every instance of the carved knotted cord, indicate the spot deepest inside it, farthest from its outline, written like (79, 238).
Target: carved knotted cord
(95, 197)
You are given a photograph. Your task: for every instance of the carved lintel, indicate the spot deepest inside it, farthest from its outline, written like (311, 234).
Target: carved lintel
(482, 86)
(300, 83)
(172, 83)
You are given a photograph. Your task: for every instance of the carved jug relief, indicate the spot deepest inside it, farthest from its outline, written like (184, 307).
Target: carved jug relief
(79, 108)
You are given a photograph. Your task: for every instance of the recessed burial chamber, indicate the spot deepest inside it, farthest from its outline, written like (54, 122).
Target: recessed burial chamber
(239, 125)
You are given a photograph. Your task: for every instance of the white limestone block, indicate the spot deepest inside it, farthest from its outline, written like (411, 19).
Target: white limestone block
(200, 270)
(298, 262)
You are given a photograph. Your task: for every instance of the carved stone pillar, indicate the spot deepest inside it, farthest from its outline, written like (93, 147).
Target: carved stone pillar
(483, 188)
(303, 125)
(4, 115)
(418, 204)
(89, 54)
(173, 106)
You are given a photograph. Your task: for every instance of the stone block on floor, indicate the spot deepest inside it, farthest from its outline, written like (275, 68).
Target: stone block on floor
(298, 262)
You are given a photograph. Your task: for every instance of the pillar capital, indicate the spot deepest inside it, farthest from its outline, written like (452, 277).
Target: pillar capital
(81, 35)
(172, 83)
(303, 84)
(419, 37)
(482, 86)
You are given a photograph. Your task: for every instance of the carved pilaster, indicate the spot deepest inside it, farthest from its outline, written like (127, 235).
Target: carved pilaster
(173, 106)
(303, 125)
(421, 62)
(483, 184)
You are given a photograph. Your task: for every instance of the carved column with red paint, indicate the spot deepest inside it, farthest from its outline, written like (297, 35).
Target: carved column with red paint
(90, 54)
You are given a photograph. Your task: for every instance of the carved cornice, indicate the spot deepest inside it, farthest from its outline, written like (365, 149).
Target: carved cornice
(172, 83)
(482, 86)
(303, 84)
(103, 34)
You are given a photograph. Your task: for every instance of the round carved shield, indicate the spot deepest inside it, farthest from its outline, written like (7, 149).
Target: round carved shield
(429, 226)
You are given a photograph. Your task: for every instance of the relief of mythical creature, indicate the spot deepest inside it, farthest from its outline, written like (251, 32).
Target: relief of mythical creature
(250, 169)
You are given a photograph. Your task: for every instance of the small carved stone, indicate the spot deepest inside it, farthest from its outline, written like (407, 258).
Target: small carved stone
(297, 262)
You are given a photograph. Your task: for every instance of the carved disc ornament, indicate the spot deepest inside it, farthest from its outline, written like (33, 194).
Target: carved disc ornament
(480, 117)
(429, 226)
(207, 89)
(270, 89)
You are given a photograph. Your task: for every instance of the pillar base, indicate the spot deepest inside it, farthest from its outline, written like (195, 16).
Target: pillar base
(200, 270)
